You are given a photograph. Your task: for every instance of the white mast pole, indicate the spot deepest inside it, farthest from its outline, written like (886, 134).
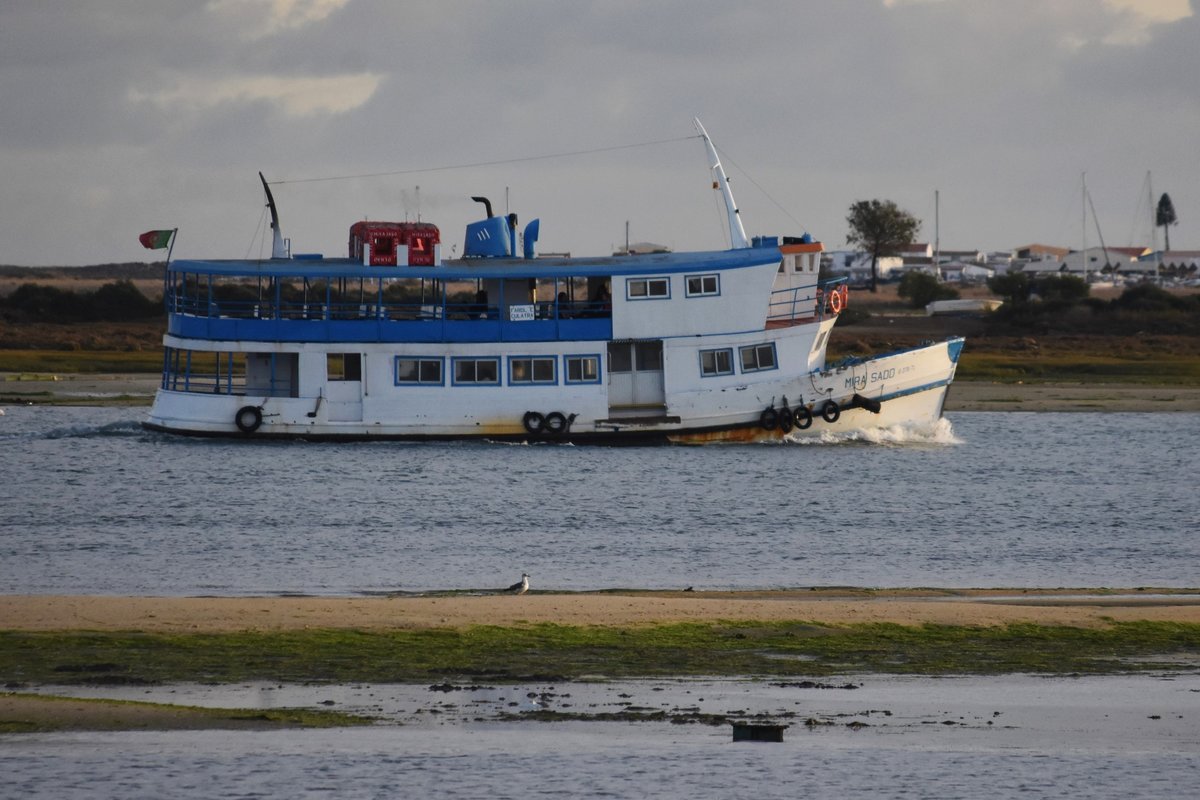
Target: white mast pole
(1153, 227)
(1083, 180)
(737, 234)
(937, 235)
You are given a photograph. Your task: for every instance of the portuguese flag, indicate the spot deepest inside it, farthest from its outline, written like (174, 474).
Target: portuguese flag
(156, 240)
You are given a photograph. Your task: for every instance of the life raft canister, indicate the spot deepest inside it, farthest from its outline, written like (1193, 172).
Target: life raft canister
(248, 419)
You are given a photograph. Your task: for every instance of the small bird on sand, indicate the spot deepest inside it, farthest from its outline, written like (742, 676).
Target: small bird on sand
(521, 586)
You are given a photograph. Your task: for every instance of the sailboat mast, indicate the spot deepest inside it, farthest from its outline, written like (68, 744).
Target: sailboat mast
(1083, 227)
(1153, 226)
(937, 236)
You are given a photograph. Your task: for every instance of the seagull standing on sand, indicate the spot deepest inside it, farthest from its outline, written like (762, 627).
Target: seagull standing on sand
(521, 586)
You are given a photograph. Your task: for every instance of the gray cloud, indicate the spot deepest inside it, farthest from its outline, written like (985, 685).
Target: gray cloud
(130, 115)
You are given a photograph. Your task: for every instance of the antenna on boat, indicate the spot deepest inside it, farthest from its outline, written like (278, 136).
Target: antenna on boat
(737, 234)
(278, 246)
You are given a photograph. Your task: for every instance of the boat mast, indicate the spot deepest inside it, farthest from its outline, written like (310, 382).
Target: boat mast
(278, 247)
(737, 234)
(1153, 227)
(937, 236)
(1083, 205)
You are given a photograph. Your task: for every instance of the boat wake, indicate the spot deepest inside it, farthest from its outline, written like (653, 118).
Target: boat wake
(121, 428)
(940, 433)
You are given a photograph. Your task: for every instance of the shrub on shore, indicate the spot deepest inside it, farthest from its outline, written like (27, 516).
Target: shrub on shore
(1061, 304)
(119, 301)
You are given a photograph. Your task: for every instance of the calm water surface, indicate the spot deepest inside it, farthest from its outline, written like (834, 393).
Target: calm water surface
(90, 503)
(562, 761)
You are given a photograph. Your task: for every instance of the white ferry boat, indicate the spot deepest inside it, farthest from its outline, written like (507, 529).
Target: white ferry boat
(393, 342)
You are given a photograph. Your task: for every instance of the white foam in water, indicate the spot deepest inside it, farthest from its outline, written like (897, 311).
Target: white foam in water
(940, 433)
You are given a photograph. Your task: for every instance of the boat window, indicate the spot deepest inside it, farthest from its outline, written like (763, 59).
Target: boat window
(647, 288)
(417, 371)
(620, 357)
(716, 362)
(383, 247)
(583, 369)
(477, 371)
(702, 285)
(756, 358)
(344, 366)
(649, 356)
(526, 370)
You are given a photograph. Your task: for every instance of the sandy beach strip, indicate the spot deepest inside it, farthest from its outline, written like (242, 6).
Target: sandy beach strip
(1078, 607)
(987, 396)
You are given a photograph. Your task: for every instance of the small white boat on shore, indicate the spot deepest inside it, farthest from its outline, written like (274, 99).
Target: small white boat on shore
(393, 342)
(968, 306)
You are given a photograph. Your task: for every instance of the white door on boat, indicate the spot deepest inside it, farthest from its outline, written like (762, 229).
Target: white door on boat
(344, 387)
(635, 376)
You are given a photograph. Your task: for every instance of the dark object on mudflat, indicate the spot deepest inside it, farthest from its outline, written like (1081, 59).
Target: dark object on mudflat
(757, 733)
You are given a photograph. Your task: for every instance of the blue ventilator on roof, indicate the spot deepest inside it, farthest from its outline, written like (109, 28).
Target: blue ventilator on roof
(488, 238)
(531, 237)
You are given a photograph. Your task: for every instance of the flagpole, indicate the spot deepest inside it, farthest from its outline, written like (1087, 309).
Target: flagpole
(167, 267)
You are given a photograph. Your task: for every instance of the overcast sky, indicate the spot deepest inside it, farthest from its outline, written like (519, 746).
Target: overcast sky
(120, 116)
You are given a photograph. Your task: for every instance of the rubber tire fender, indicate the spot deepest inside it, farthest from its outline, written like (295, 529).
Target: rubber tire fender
(769, 418)
(786, 419)
(803, 418)
(556, 423)
(830, 412)
(248, 419)
(534, 422)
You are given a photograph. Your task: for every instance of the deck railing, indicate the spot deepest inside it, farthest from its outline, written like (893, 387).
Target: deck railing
(804, 303)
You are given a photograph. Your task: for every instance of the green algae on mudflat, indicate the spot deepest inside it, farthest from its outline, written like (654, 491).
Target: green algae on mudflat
(566, 652)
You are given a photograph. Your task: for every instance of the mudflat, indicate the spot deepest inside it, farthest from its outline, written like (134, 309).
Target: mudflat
(975, 607)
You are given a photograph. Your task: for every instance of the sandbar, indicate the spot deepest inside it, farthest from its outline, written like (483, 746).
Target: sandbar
(979, 607)
(34, 713)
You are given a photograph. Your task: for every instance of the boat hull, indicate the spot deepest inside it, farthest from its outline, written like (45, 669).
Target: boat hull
(906, 388)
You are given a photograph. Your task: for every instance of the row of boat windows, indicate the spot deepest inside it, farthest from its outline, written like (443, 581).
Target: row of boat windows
(752, 358)
(660, 288)
(485, 371)
(234, 373)
(530, 370)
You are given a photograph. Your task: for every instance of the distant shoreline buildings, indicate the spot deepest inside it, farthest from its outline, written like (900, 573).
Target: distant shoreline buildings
(1098, 264)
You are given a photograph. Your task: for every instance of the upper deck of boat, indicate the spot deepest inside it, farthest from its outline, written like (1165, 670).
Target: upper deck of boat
(485, 268)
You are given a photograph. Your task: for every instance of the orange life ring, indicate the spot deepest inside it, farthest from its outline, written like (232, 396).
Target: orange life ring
(835, 301)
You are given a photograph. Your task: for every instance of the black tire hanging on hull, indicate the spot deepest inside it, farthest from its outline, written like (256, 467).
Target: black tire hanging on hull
(556, 423)
(248, 419)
